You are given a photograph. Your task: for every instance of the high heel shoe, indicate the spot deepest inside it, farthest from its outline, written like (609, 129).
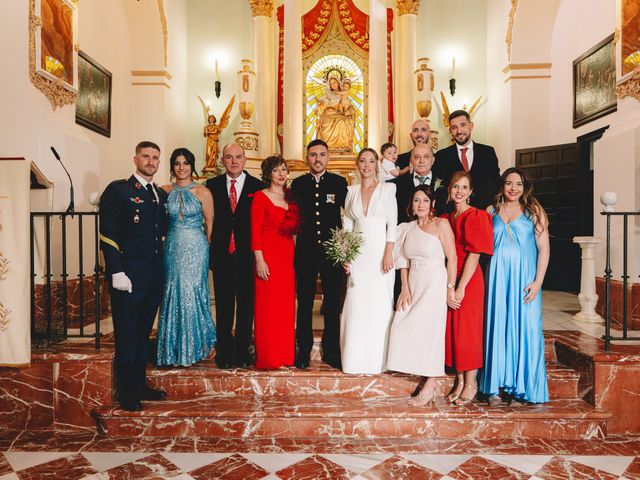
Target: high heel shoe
(423, 400)
(453, 395)
(494, 400)
(461, 401)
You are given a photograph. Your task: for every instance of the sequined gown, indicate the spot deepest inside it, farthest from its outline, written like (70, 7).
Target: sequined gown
(186, 332)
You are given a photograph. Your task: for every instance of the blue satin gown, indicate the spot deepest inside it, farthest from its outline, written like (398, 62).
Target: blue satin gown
(514, 342)
(186, 332)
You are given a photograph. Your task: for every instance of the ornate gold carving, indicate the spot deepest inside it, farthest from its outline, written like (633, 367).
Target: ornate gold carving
(261, 8)
(407, 6)
(4, 317)
(631, 86)
(53, 89)
(616, 36)
(165, 31)
(247, 141)
(509, 35)
(4, 266)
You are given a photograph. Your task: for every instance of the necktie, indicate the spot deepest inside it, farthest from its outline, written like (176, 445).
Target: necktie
(463, 158)
(149, 188)
(422, 180)
(233, 201)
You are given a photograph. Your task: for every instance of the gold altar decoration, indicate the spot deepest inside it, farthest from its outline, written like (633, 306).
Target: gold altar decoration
(446, 111)
(53, 55)
(408, 7)
(212, 131)
(247, 137)
(165, 31)
(628, 48)
(424, 86)
(260, 8)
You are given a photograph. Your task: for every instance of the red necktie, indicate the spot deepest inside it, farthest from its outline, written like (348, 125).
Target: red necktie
(233, 200)
(463, 158)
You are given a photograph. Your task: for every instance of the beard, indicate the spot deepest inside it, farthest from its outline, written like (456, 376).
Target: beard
(462, 140)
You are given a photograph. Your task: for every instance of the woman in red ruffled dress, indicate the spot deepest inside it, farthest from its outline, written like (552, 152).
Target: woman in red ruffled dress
(473, 231)
(275, 219)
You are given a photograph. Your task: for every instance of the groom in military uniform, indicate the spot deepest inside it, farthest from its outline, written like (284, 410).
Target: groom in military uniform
(321, 195)
(132, 228)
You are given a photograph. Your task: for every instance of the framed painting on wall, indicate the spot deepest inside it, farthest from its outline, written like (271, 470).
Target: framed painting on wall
(93, 107)
(55, 40)
(594, 83)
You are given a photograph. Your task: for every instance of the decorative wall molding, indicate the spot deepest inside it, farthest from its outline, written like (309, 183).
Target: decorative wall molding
(54, 90)
(4, 317)
(151, 73)
(4, 265)
(261, 8)
(165, 31)
(407, 7)
(630, 87)
(509, 35)
(525, 66)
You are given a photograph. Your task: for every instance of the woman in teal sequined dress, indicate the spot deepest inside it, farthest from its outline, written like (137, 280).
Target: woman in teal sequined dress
(186, 333)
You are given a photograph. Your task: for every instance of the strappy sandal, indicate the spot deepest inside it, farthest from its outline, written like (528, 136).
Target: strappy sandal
(461, 401)
(453, 396)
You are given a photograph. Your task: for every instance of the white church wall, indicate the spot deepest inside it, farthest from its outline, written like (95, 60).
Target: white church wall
(580, 24)
(222, 31)
(448, 28)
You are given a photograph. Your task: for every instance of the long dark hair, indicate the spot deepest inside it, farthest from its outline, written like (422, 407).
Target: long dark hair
(530, 205)
(428, 191)
(188, 156)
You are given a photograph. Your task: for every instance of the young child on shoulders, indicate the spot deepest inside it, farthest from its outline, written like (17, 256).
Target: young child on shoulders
(388, 158)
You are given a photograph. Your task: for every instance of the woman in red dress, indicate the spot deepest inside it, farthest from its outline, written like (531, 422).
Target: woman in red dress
(274, 222)
(474, 235)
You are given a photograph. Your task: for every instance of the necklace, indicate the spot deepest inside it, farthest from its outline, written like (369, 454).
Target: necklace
(510, 218)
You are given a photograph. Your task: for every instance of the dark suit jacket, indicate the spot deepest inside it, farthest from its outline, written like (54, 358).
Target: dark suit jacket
(320, 204)
(224, 220)
(403, 160)
(404, 191)
(132, 230)
(485, 172)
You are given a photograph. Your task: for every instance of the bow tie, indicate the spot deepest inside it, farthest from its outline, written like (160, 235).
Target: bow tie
(422, 180)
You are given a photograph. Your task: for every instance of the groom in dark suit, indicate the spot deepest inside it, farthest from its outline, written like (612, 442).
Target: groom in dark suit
(477, 159)
(231, 259)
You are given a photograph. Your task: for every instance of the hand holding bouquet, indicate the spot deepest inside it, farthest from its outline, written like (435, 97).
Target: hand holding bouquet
(343, 247)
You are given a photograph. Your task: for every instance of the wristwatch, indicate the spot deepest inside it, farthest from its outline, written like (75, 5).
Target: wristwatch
(450, 285)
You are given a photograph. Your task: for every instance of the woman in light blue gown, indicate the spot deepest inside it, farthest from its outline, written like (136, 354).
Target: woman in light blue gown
(514, 343)
(186, 332)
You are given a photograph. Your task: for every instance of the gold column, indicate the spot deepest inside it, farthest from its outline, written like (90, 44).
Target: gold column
(265, 55)
(405, 55)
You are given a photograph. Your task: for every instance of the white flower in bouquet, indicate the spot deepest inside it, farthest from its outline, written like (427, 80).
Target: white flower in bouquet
(343, 247)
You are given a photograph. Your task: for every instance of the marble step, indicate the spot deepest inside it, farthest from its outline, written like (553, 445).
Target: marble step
(347, 417)
(205, 378)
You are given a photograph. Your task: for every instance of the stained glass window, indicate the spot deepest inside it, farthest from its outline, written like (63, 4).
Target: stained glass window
(320, 76)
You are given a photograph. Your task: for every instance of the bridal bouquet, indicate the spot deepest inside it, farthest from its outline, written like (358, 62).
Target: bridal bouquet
(343, 247)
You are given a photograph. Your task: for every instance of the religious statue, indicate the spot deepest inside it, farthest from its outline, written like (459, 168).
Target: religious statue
(337, 116)
(212, 131)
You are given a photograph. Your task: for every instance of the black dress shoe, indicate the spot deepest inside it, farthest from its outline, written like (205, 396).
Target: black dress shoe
(148, 393)
(245, 362)
(302, 363)
(224, 364)
(129, 402)
(334, 362)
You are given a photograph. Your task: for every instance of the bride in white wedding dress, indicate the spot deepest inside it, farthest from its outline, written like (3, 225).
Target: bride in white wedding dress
(370, 208)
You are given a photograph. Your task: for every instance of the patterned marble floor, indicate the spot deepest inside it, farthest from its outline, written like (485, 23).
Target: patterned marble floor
(249, 466)
(88, 456)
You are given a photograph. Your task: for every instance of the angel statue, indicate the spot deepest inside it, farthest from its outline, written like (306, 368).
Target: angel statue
(212, 131)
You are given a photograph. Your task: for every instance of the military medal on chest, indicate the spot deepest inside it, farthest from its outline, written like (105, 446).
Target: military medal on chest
(136, 217)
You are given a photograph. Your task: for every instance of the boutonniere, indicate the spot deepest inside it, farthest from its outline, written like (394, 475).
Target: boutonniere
(437, 183)
(137, 185)
(136, 200)
(250, 195)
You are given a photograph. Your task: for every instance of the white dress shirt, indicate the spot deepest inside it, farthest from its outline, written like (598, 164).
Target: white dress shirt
(239, 184)
(416, 182)
(144, 184)
(469, 152)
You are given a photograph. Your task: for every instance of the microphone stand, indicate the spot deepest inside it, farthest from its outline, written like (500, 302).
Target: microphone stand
(70, 208)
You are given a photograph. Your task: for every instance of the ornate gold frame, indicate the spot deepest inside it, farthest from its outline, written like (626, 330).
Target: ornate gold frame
(58, 92)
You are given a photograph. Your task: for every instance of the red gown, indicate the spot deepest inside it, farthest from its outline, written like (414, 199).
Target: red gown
(274, 312)
(464, 336)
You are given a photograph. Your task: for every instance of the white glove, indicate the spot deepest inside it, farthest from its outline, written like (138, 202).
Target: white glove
(121, 282)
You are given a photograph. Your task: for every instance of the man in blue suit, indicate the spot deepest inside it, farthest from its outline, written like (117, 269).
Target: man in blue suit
(132, 227)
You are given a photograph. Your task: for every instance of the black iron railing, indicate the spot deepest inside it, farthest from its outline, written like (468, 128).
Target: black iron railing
(625, 279)
(57, 313)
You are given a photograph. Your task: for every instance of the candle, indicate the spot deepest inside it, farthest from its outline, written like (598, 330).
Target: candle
(453, 67)
(217, 76)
